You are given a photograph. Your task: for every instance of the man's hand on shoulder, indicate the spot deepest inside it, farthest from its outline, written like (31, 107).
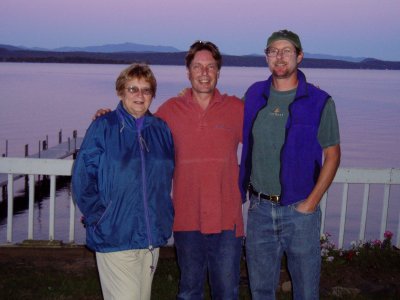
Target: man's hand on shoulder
(100, 112)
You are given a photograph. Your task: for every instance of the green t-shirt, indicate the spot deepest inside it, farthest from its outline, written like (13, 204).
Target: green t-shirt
(269, 135)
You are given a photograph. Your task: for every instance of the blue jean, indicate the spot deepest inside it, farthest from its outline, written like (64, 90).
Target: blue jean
(272, 230)
(220, 254)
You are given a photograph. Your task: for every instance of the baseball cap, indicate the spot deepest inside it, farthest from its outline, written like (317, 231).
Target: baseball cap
(285, 35)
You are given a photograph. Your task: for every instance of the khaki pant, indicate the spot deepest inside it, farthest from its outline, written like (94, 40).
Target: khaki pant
(127, 275)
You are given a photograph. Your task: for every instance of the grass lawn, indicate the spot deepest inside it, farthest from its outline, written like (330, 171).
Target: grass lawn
(57, 274)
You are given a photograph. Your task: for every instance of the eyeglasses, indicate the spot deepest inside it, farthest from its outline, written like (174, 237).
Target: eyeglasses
(134, 90)
(274, 52)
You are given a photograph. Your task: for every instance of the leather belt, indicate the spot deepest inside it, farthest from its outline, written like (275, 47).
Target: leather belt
(272, 198)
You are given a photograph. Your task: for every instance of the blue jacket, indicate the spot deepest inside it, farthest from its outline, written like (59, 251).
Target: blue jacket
(122, 180)
(301, 154)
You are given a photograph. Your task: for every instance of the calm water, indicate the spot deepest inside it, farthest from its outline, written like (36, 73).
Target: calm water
(37, 100)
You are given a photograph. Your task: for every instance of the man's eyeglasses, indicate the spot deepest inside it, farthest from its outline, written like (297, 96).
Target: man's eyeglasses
(134, 90)
(274, 52)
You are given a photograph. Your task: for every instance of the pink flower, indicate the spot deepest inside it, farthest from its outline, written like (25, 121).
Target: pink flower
(388, 234)
(377, 243)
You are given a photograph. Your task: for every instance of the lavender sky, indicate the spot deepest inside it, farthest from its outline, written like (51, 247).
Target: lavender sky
(358, 28)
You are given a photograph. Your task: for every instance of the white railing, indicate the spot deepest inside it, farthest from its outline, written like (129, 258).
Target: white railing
(347, 176)
(57, 167)
(32, 167)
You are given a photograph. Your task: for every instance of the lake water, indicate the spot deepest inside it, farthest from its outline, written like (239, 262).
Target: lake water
(38, 100)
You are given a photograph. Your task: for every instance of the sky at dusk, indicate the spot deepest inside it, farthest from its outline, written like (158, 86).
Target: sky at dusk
(358, 28)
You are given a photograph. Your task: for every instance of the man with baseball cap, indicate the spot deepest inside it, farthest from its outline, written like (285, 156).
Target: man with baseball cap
(290, 155)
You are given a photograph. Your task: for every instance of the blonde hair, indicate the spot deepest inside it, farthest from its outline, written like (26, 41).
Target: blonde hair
(139, 71)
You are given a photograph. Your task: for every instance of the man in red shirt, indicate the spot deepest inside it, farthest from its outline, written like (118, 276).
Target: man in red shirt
(208, 227)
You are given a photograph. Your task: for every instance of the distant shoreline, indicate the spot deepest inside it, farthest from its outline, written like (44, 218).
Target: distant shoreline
(177, 58)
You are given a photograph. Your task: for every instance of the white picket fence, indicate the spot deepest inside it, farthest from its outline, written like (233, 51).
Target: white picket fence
(57, 167)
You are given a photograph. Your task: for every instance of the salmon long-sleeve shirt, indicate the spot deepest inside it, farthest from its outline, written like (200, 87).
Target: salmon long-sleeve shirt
(206, 194)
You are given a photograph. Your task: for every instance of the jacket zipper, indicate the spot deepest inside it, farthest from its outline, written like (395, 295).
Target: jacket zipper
(144, 147)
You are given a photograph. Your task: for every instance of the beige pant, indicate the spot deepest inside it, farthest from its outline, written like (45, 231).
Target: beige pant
(127, 275)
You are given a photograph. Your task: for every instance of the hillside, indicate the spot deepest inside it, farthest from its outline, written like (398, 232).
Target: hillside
(14, 54)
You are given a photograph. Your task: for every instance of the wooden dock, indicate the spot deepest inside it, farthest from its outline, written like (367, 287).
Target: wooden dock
(59, 151)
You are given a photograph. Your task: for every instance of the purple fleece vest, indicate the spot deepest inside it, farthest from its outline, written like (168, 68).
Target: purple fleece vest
(301, 155)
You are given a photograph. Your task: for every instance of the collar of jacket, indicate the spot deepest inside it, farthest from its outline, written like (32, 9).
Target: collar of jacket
(301, 87)
(127, 121)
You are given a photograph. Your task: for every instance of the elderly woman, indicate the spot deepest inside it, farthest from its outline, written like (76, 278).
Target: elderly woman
(122, 184)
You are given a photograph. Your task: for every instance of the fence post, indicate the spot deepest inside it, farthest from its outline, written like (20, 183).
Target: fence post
(4, 188)
(60, 136)
(75, 136)
(26, 155)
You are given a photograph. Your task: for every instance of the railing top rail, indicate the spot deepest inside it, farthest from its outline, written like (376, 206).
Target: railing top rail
(12, 165)
(356, 175)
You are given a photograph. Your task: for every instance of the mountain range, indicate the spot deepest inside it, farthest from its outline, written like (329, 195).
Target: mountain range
(126, 53)
(124, 47)
(133, 47)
